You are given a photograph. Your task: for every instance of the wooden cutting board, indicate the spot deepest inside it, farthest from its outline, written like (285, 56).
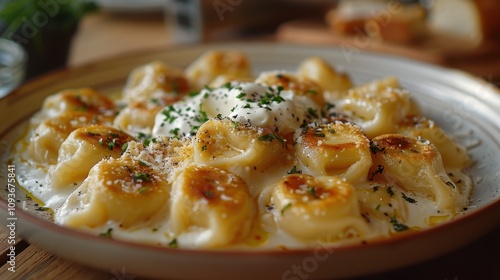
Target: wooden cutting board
(434, 48)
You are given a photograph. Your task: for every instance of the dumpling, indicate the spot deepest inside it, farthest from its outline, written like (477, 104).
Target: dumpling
(299, 85)
(377, 107)
(214, 63)
(334, 149)
(321, 207)
(124, 192)
(156, 81)
(224, 143)
(453, 155)
(210, 207)
(164, 152)
(138, 116)
(223, 79)
(79, 100)
(44, 144)
(333, 83)
(83, 148)
(383, 203)
(416, 167)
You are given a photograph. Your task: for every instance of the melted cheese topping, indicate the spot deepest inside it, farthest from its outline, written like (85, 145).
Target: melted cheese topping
(283, 161)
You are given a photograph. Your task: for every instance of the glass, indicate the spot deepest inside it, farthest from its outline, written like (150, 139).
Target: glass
(12, 66)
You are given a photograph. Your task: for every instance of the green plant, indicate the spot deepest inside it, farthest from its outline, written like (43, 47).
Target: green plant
(44, 13)
(44, 28)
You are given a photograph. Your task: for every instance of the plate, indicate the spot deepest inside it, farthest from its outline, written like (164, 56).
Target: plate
(462, 105)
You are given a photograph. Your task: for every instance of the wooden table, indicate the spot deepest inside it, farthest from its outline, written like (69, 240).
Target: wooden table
(104, 35)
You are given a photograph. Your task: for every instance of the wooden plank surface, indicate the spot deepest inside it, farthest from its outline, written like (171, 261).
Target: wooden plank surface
(34, 263)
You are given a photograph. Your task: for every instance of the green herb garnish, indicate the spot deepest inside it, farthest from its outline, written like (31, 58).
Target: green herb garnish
(270, 137)
(409, 199)
(390, 191)
(398, 226)
(294, 170)
(374, 148)
(173, 243)
(107, 234)
(143, 177)
(124, 148)
(286, 208)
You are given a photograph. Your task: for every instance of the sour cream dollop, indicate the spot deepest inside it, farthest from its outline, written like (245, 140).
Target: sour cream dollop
(268, 107)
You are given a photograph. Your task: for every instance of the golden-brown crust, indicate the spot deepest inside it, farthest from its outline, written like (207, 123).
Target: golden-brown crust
(218, 187)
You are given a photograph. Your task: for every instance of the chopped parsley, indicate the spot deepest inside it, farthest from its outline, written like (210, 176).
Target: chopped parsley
(409, 199)
(173, 243)
(114, 135)
(450, 184)
(175, 132)
(92, 134)
(155, 101)
(390, 191)
(312, 112)
(209, 193)
(227, 85)
(142, 136)
(204, 148)
(329, 106)
(146, 138)
(294, 170)
(312, 191)
(319, 134)
(193, 93)
(374, 148)
(142, 190)
(380, 170)
(111, 144)
(286, 208)
(169, 114)
(398, 226)
(202, 117)
(270, 137)
(143, 177)
(107, 234)
(124, 148)
(269, 98)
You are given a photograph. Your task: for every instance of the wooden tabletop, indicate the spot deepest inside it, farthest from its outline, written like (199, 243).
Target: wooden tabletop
(105, 35)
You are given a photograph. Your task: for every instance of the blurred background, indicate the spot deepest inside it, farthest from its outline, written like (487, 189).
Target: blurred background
(463, 34)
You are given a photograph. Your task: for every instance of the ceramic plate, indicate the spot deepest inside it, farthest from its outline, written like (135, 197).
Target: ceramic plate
(464, 106)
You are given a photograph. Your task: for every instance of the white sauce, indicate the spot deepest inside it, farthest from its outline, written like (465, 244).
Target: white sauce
(267, 107)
